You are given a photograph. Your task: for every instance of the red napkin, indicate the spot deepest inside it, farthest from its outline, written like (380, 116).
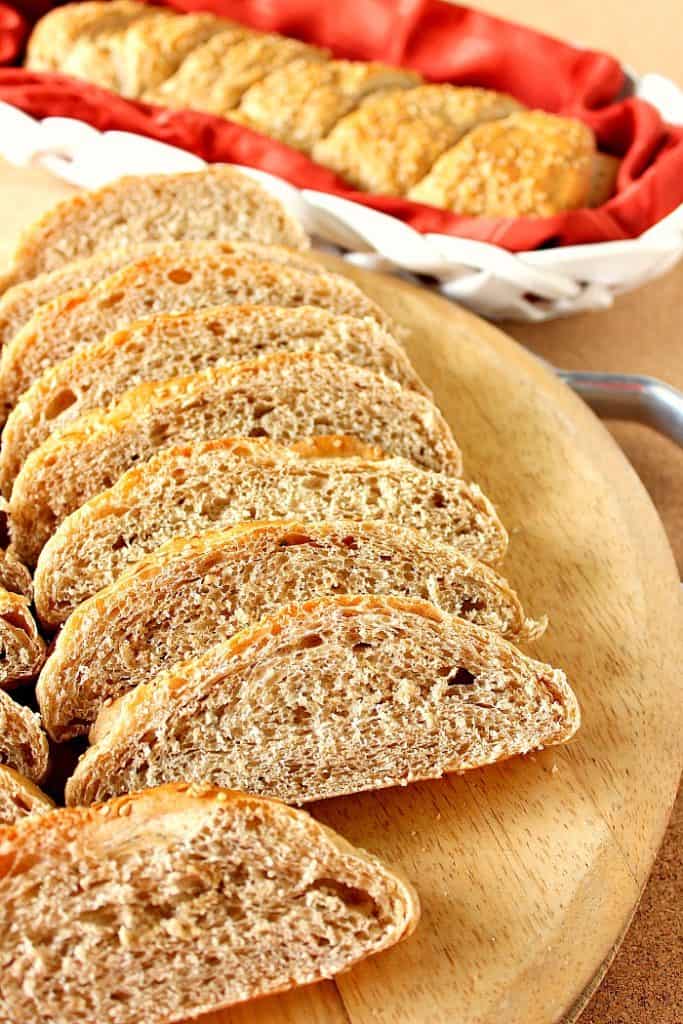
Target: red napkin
(445, 43)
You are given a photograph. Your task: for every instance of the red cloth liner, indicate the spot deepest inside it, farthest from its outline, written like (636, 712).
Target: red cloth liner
(445, 43)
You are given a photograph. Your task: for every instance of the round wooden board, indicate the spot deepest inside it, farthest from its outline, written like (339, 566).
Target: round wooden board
(528, 872)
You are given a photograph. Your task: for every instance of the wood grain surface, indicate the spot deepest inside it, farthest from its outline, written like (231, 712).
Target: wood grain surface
(528, 872)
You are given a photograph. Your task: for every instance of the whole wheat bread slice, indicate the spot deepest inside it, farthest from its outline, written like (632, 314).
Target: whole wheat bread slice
(19, 303)
(170, 282)
(331, 697)
(217, 484)
(23, 744)
(14, 576)
(184, 899)
(22, 650)
(180, 600)
(287, 397)
(169, 345)
(217, 202)
(19, 798)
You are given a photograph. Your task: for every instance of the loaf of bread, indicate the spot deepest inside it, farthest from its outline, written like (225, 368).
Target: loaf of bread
(383, 129)
(170, 345)
(177, 602)
(166, 283)
(331, 697)
(217, 203)
(217, 484)
(287, 397)
(23, 744)
(178, 901)
(19, 798)
(14, 576)
(22, 650)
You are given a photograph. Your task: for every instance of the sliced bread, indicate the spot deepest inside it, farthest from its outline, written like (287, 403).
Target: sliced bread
(56, 33)
(19, 798)
(168, 283)
(22, 650)
(217, 202)
(177, 602)
(182, 900)
(169, 345)
(331, 697)
(14, 576)
(286, 397)
(23, 744)
(217, 484)
(18, 304)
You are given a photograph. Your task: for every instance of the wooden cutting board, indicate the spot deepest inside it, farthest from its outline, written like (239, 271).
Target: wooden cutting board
(528, 872)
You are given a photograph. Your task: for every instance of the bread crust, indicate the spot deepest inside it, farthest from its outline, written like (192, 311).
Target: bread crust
(175, 823)
(216, 484)
(283, 396)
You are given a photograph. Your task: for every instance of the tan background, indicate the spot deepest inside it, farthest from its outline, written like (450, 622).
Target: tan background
(642, 334)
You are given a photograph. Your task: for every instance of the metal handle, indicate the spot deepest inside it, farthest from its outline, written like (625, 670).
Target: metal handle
(625, 397)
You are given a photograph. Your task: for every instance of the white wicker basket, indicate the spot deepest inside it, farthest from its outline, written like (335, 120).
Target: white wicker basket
(489, 280)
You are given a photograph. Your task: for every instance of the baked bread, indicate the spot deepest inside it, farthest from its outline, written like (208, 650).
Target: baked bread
(331, 697)
(19, 798)
(22, 650)
(286, 397)
(604, 172)
(57, 33)
(159, 907)
(542, 165)
(392, 140)
(170, 345)
(217, 484)
(23, 744)
(14, 576)
(167, 283)
(215, 76)
(217, 203)
(302, 101)
(179, 601)
(18, 304)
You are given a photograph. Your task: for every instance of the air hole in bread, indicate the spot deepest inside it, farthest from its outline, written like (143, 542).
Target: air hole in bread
(359, 899)
(350, 542)
(261, 409)
(14, 620)
(361, 647)
(216, 328)
(118, 544)
(438, 500)
(310, 640)
(294, 539)
(179, 275)
(470, 604)
(461, 677)
(62, 401)
(112, 300)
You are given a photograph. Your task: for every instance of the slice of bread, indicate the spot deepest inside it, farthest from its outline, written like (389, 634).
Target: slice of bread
(22, 650)
(331, 697)
(23, 744)
(217, 484)
(286, 397)
(58, 31)
(18, 304)
(182, 900)
(179, 601)
(169, 345)
(14, 576)
(218, 203)
(19, 798)
(170, 282)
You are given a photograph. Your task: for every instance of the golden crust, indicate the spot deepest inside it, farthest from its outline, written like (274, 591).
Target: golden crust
(214, 76)
(59, 30)
(530, 164)
(604, 172)
(301, 102)
(19, 797)
(392, 139)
